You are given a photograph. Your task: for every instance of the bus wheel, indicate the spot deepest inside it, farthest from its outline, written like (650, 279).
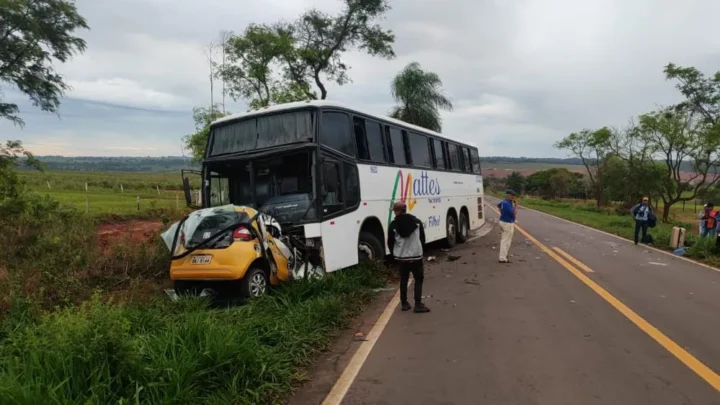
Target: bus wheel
(451, 229)
(464, 228)
(369, 247)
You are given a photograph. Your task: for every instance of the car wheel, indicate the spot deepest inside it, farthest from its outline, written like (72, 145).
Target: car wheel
(255, 283)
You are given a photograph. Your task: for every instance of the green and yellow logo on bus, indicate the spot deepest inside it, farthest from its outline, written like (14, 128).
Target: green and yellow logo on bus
(410, 189)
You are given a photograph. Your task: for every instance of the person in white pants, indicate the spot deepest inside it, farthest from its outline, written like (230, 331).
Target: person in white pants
(508, 213)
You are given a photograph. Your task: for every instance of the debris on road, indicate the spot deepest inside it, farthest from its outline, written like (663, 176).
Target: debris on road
(473, 282)
(452, 258)
(431, 258)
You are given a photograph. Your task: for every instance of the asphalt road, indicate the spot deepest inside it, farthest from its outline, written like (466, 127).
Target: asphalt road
(623, 325)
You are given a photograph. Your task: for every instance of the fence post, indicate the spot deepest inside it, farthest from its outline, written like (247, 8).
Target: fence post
(158, 189)
(48, 184)
(122, 190)
(138, 203)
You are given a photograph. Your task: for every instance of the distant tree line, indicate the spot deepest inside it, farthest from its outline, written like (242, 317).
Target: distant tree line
(113, 164)
(549, 184)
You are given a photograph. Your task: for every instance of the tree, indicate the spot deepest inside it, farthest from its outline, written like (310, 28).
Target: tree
(420, 95)
(34, 34)
(319, 41)
(516, 182)
(197, 141)
(702, 94)
(676, 134)
(12, 155)
(248, 68)
(592, 147)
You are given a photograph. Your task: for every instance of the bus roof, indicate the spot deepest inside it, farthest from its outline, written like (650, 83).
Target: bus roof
(335, 104)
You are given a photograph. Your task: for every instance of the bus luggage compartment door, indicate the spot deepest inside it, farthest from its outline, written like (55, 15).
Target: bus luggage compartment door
(340, 242)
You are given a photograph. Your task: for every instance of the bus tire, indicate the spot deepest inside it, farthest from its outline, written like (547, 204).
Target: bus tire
(463, 228)
(451, 232)
(369, 247)
(255, 283)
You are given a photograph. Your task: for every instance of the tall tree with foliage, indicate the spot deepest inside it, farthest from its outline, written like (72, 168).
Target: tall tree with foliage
(197, 141)
(33, 35)
(250, 60)
(320, 40)
(592, 147)
(675, 135)
(702, 94)
(419, 96)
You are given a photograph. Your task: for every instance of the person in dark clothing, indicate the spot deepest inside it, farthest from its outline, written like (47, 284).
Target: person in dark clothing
(406, 237)
(641, 213)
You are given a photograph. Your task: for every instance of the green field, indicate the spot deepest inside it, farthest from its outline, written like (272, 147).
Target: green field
(110, 192)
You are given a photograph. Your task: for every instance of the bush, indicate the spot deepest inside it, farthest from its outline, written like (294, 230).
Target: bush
(51, 254)
(172, 353)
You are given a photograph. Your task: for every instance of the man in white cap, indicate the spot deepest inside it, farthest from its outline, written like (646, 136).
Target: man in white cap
(406, 237)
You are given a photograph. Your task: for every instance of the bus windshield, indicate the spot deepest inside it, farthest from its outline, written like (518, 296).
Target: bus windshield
(283, 186)
(260, 132)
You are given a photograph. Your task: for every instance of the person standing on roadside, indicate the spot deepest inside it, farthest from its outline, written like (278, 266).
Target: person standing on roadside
(641, 212)
(709, 220)
(406, 237)
(508, 212)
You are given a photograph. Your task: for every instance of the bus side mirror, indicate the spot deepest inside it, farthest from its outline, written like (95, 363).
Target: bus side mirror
(186, 190)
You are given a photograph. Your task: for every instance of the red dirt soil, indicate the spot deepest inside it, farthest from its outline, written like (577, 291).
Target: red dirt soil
(137, 231)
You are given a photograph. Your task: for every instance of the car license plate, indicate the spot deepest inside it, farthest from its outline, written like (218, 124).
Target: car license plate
(201, 259)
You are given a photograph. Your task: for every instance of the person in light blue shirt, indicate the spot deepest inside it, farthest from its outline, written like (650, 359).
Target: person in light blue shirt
(508, 213)
(641, 212)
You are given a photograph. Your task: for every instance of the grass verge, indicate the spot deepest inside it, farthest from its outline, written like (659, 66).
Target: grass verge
(608, 220)
(176, 353)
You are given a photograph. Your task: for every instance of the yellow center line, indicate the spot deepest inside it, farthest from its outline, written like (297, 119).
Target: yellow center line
(705, 372)
(574, 261)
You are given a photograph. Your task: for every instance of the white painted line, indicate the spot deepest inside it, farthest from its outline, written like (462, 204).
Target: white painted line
(628, 241)
(657, 264)
(343, 384)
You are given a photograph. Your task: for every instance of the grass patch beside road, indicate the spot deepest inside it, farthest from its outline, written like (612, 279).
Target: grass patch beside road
(176, 353)
(586, 213)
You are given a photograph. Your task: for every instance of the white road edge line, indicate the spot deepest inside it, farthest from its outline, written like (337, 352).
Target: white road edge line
(622, 239)
(343, 384)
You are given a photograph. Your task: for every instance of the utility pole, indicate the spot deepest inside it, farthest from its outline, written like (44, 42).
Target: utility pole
(224, 37)
(209, 56)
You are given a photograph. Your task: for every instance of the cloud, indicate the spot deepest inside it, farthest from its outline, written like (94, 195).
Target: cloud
(522, 74)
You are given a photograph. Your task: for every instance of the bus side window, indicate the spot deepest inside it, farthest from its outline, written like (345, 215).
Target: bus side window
(439, 154)
(455, 163)
(397, 145)
(361, 138)
(352, 185)
(335, 132)
(475, 157)
(331, 196)
(468, 161)
(369, 140)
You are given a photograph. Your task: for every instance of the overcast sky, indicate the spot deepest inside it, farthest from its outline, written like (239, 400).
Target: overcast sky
(522, 73)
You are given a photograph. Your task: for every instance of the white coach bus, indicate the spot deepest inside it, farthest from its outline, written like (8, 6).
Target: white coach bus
(330, 174)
